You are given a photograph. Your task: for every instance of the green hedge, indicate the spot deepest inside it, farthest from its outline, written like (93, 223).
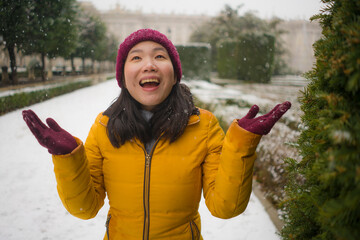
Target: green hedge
(195, 60)
(250, 58)
(323, 190)
(227, 55)
(20, 100)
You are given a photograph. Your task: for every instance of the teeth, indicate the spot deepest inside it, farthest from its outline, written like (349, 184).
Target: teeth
(149, 81)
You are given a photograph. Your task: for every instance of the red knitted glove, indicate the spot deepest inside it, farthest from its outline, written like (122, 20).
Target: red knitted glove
(263, 124)
(54, 138)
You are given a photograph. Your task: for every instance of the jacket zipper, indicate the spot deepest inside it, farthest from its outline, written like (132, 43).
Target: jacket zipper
(146, 196)
(146, 189)
(195, 233)
(107, 226)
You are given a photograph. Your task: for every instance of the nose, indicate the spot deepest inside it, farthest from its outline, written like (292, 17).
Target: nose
(150, 66)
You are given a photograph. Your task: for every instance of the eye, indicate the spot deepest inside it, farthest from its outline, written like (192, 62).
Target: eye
(134, 58)
(160, 56)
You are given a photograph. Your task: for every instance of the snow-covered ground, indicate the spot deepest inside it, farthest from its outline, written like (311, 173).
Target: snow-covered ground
(30, 206)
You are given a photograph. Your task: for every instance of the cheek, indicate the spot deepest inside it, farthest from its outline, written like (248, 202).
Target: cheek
(171, 73)
(129, 76)
(129, 82)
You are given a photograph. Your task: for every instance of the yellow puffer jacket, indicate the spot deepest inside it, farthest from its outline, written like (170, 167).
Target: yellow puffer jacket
(157, 195)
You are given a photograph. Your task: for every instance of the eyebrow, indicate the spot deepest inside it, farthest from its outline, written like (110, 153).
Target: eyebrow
(154, 50)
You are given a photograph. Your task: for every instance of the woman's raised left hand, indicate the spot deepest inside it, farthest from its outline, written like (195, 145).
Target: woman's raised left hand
(263, 124)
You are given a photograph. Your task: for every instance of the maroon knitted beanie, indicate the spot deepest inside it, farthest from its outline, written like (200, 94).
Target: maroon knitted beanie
(141, 36)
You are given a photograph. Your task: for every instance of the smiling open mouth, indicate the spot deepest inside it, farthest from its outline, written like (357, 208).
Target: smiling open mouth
(149, 83)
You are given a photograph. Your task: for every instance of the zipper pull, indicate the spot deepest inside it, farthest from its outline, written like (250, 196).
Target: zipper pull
(147, 160)
(108, 221)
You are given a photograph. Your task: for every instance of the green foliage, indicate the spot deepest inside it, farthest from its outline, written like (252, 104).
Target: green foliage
(13, 15)
(249, 58)
(93, 42)
(195, 61)
(229, 25)
(323, 192)
(13, 21)
(228, 60)
(44, 27)
(111, 48)
(52, 29)
(23, 99)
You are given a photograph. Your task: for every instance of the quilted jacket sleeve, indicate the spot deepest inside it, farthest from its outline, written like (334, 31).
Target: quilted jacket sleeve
(79, 177)
(228, 169)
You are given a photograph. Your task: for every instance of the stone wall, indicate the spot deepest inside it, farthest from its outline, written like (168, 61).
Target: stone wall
(298, 39)
(178, 28)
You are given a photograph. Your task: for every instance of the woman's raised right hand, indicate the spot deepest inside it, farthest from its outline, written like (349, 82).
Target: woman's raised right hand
(54, 138)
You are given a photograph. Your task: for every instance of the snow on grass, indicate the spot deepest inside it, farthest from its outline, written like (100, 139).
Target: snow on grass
(274, 147)
(212, 93)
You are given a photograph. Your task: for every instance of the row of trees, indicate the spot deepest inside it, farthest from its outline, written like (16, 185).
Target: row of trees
(53, 29)
(230, 26)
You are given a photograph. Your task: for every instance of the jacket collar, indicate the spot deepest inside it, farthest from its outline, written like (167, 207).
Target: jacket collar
(103, 120)
(194, 119)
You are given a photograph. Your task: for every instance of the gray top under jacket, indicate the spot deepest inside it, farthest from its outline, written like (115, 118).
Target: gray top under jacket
(147, 116)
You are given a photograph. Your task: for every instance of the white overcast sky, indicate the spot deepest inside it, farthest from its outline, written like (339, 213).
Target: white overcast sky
(286, 9)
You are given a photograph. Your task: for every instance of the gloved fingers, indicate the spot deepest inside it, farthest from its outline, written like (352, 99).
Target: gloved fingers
(285, 106)
(30, 116)
(37, 133)
(35, 125)
(279, 112)
(272, 111)
(53, 125)
(252, 112)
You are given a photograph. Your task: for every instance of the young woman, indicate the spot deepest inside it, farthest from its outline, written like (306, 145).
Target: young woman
(153, 152)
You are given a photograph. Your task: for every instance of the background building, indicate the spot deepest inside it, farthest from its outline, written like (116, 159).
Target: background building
(178, 28)
(297, 41)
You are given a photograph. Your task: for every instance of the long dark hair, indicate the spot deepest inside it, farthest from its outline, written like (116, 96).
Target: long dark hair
(169, 119)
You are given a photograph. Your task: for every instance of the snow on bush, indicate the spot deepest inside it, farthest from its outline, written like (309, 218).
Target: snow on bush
(231, 102)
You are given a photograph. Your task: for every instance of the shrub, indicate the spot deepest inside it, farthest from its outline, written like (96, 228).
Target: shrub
(323, 192)
(228, 61)
(195, 60)
(23, 99)
(249, 58)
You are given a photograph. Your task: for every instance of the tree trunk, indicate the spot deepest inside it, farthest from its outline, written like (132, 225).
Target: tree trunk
(73, 70)
(11, 50)
(43, 73)
(4, 75)
(94, 68)
(83, 65)
(49, 73)
(31, 74)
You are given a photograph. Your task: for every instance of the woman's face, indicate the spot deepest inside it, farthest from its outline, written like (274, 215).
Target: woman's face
(149, 74)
